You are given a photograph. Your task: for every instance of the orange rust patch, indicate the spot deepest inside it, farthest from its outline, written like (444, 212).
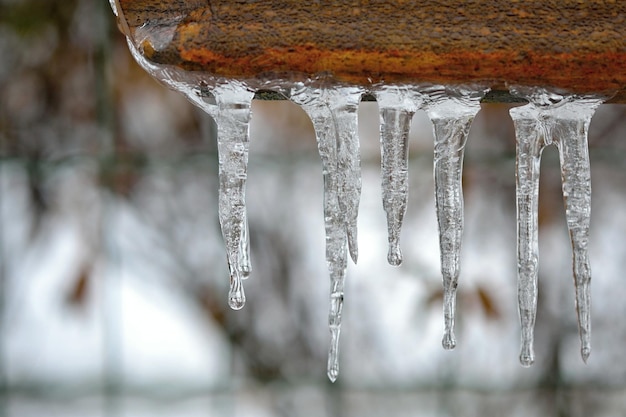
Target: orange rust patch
(572, 44)
(581, 73)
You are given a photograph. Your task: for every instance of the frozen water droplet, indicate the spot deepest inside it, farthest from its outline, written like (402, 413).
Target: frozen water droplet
(236, 295)
(563, 120)
(527, 357)
(334, 116)
(397, 106)
(451, 111)
(448, 342)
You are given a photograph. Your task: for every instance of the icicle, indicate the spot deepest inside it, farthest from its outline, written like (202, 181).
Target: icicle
(451, 112)
(565, 121)
(397, 106)
(530, 144)
(229, 104)
(334, 116)
(576, 178)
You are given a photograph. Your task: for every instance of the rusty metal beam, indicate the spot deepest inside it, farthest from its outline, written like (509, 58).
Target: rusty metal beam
(577, 45)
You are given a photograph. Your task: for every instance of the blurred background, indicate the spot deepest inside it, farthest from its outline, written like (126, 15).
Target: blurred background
(113, 277)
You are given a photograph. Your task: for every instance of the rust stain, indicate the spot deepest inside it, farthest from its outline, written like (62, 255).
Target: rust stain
(568, 71)
(570, 44)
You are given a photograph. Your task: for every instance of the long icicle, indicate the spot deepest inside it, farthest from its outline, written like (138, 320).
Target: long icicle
(576, 177)
(451, 112)
(530, 144)
(334, 116)
(229, 104)
(565, 121)
(397, 106)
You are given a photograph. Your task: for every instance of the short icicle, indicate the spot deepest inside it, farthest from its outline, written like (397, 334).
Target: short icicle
(397, 106)
(334, 116)
(229, 104)
(563, 120)
(451, 111)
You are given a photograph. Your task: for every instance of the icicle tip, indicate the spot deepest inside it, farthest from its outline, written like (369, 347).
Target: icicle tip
(585, 352)
(333, 373)
(237, 299)
(394, 257)
(448, 342)
(526, 359)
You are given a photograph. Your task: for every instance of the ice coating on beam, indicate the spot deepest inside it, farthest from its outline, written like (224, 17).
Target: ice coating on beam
(397, 106)
(451, 111)
(333, 112)
(563, 120)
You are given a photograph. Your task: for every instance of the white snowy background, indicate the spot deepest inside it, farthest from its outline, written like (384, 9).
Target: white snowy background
(114, 281)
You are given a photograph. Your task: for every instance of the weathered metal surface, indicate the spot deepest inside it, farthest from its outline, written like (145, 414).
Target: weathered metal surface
(576, 45)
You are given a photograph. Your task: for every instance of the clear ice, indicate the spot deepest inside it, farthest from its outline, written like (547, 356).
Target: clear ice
(548, 118)
(563, 120)
(333, 112)
(397, 106)
(229, 104)
(451, 111)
